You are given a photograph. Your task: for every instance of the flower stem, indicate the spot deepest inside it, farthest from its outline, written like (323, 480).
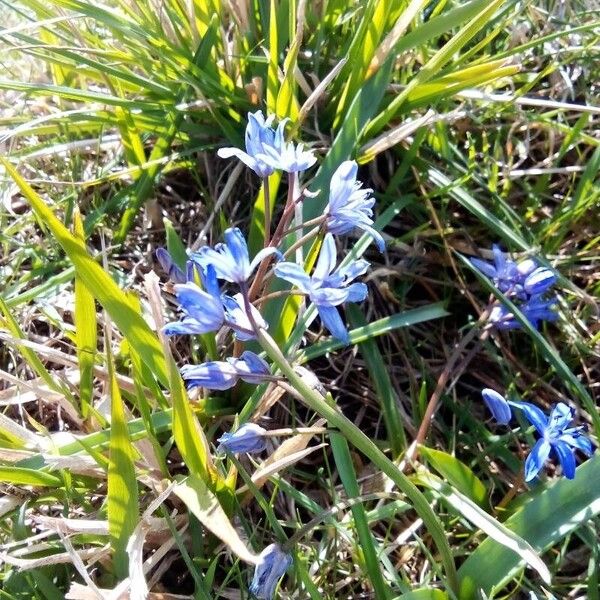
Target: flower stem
(305, 225)
(364, 444)
(301, 241)
(267, 205)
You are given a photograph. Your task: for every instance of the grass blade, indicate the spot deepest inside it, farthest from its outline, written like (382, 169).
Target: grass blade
(501, 534)
(367, 549)
(123, 504)
(86, 335)
(380, 377)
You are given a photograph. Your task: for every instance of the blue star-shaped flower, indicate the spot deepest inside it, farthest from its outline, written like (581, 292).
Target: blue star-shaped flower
(231, 260)
(259, 136)
(267, 150)
(555, 437)
(350, 205)
(327, 288)
(202, 308)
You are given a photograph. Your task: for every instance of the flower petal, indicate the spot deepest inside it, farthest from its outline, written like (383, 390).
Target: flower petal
(560, 417)
(351, 271)
(536, 459)
(539, 281)
(200, 305)
(357, 292)
(252, 368)
(236, 244)
(248, 438)
(329, 296)
(485, 267)
(566, 458)
(342, 184)
(262, 255)
(499, 259)
(534, 415)
(169, 267)
(272, 565)
(327, 258)
(377, 237)
(294, 274)
(187, 326)
(333, 322)
(213, 375)
(237, 318)
(576, 439)
(241, 155)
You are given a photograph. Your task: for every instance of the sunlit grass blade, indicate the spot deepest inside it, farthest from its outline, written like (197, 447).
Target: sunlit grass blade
(360, 54)
(497, 531)
(457, 474)
(376, 328)
(123, 500)
(204, 505)
(24, 476)
(86, 335)
(434, 64)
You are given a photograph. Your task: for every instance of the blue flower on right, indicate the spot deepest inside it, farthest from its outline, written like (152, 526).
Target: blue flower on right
(526, 283)
(556, 437)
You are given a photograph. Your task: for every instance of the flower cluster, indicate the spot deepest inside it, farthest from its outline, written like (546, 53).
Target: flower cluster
(208, 304)
(526, 283)
(555, 435)
(223, 289)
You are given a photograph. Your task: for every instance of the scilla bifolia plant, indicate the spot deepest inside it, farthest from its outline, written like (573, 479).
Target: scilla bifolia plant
(206, 307)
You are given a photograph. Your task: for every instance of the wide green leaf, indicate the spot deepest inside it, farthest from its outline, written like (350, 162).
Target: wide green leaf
(457, 473)
(503, 535)
(552, 514)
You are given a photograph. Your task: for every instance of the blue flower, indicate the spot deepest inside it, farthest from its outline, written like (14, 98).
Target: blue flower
(498, 405)
(249, 438)
(259, 137)
(555, 437)
(222, 375)
(350, 205)
(267, 150)
(536, 309)
(231, 260)
(285, 156)
(202, 308)
(328, 288)
(507, 275)
(272, 565)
